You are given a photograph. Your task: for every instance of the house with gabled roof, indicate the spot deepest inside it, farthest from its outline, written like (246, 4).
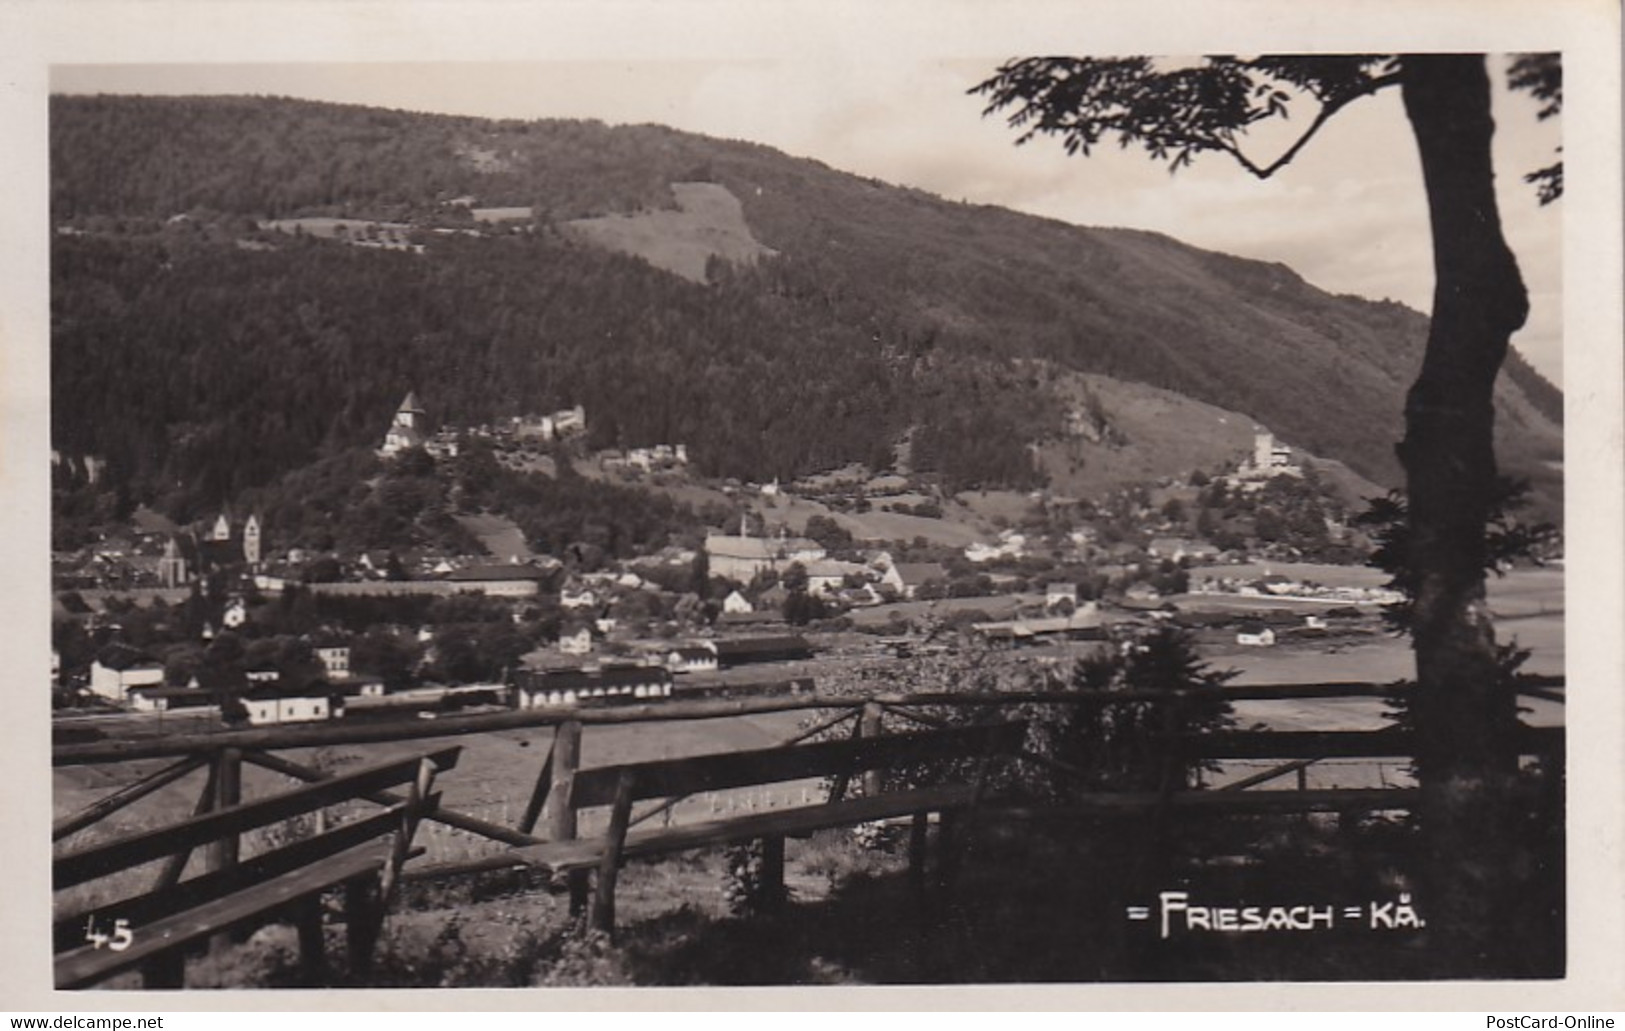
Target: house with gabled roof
(1255, 634)
(828, 576)
(741, 557)
(906, 578)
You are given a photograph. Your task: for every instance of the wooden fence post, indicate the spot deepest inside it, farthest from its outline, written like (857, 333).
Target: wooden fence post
(363, 921)
(228, 793)
(175, 865)
(538, 796)
(773, 894)
(947, 850)
(620, 816)
(917, 829)
(561, 814)
(837, 790)
(870, 722)
(312, 946)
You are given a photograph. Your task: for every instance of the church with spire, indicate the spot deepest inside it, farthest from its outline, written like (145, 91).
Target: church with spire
(193, 554)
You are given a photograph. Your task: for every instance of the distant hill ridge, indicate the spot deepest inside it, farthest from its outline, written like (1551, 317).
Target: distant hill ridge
(869, 309)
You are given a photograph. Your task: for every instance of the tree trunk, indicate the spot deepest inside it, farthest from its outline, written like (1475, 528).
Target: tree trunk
(1464, 711)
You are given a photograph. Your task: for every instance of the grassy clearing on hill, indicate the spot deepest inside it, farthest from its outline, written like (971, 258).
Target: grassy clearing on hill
(500, 535)
(709, 223)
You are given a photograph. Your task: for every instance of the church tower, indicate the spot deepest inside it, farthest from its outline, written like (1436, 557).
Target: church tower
(406, 416)
(172, 567)
(406, 429)
(251, 541)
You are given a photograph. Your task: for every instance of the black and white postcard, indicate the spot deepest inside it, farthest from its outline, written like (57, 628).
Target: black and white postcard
(527, 497)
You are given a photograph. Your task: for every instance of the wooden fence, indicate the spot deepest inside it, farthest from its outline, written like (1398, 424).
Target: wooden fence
(224, 753)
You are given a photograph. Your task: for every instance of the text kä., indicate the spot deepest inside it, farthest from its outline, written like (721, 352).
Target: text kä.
(1176, 913)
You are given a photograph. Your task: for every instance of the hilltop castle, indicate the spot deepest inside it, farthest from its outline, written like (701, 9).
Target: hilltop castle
(1270, 458)
(409, 429)
(406, 430)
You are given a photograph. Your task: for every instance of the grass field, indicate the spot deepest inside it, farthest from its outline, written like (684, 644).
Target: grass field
(494, 777)
(1305, 572)
(709, 223)
(1003, 606)
(1386, 659)
(500, 535)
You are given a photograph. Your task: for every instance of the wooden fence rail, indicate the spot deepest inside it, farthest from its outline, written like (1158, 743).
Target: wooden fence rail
(340, 733)
(561, 786)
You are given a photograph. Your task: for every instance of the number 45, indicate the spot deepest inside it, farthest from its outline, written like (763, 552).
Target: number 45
(118, 941)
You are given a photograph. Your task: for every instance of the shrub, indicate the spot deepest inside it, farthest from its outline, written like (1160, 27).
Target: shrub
(744, 889)
(1122, 746)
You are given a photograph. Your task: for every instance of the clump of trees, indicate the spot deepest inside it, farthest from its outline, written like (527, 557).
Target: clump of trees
(1130, 746)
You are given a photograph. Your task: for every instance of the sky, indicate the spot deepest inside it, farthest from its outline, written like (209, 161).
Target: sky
(1349, 214)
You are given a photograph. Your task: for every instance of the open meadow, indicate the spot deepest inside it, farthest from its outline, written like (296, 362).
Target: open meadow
(1529, 607)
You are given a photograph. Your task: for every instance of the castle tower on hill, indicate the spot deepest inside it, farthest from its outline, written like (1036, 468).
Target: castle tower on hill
(406, 430)
(1271, 457)
(407, 415)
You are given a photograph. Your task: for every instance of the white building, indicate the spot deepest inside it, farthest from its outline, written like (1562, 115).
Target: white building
(742, 557)
(336, 660)
(119, 670)
(828, 576)
(270, 705)
(406, 430)
(1255, 635)
(1057, 592)
(696, 659)
(1270, 458)
(572, 687)
(498, 580)
(578, 643)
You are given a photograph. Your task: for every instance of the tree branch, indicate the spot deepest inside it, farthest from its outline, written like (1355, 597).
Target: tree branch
(1325, 115)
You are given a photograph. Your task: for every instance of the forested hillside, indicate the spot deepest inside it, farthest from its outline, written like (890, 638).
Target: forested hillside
(205, 354)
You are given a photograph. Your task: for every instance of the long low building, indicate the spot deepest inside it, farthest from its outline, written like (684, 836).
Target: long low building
(275, 702)
(493, 581)
(539, 688)
(741, 651)
(167, 699)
